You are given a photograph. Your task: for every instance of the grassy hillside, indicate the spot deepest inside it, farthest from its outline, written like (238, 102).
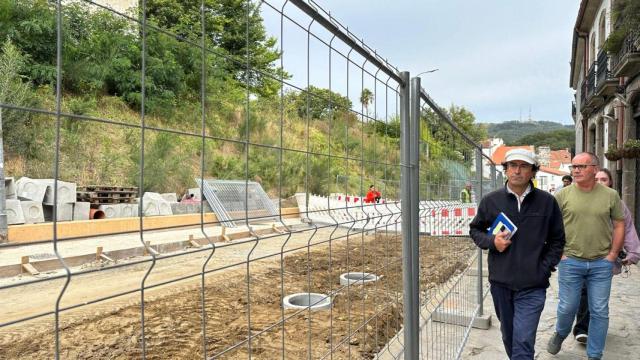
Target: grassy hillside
(512, 131)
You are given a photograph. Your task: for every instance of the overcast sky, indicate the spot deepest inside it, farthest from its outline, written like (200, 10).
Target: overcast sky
(497, 58)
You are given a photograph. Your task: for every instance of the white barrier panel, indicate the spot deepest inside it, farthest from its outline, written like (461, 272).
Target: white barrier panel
(439, 218)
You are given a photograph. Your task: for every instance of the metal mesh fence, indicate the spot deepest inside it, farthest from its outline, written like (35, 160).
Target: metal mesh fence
(271, 92)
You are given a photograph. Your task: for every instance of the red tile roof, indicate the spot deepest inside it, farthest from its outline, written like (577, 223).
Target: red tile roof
(563, 156)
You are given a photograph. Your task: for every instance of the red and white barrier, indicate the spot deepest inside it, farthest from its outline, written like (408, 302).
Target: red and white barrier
(438, 218)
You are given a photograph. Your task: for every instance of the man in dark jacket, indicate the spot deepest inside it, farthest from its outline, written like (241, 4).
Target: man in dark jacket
(520, 262)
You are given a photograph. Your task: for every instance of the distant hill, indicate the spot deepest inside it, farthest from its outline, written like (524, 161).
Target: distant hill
(512, 131)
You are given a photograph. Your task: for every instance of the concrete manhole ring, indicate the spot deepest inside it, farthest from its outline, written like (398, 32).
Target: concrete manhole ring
(305, 300)
(357, 278)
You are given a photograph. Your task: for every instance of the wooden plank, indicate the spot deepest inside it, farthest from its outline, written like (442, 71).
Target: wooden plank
(27, 267)
(28, 233)
(118, 254)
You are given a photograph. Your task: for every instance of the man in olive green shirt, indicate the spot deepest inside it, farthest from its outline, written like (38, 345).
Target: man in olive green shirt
(594, 227)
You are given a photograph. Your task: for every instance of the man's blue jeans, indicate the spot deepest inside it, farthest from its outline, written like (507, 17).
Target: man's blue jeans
(596, 274)
(519, 314)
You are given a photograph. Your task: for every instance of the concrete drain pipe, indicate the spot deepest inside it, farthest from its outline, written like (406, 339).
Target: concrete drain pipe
(357, 278)
(299, 301)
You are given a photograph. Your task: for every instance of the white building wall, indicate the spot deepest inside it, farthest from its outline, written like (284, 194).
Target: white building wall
(545, 180)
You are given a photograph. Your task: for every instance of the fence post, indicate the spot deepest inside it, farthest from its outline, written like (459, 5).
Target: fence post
(411, 338)
(479, 195)
(494, 184)
(414, 193)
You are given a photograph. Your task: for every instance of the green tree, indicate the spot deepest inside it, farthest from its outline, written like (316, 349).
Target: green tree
(319, 102)
(556, 140)
(366, 98)
(233, 28)
(16, 127)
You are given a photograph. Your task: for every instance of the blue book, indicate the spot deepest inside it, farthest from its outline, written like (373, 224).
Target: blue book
(503, 223)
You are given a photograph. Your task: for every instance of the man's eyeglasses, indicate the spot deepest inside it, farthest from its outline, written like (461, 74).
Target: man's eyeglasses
(579, 167)
(514, 166)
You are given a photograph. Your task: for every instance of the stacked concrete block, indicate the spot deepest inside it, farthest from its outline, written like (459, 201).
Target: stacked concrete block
(32, 211)
(66, 192)
(10, 191)
(154, 204)
(170, 197)
(64, 212)
(14, 212)
(31, 189)
(81, 210)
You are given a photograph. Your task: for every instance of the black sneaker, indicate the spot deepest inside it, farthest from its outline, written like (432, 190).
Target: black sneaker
(555, 343)
(582, 338)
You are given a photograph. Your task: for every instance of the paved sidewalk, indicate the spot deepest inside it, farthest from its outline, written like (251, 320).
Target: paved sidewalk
(623, 340)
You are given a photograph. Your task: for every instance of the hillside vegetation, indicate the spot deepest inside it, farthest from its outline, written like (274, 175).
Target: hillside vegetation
(512, 132)
(244, 118)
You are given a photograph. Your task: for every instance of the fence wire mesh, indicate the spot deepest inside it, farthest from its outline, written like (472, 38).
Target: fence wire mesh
(273, 96)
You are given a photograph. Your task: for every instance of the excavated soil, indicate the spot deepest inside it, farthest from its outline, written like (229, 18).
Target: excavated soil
(361, 321)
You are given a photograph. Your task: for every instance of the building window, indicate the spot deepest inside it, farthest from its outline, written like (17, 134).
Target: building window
(602, 33)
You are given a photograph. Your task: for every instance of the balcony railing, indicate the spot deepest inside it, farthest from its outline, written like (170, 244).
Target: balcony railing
(583, 95)
(626, 62)
(606, 83)
(591, 81)
(604, 73)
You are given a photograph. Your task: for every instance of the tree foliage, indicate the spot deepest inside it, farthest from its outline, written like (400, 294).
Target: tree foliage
(233, 29)
(17, 128)
(319, 103)
(626, 17)
(556, 140)
(511, 131)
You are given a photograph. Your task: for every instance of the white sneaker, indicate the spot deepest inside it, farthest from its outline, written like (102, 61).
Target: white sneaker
(582, 338)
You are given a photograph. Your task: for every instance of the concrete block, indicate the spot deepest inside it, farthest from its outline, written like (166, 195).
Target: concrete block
(32, 211)
(180, 208)
(165, 208)
(30, 189)
(155, 204)
(111, 211)
(457, 317)
(150, 208)
(14, 212)
(170, 197)
(81, 210)
(194, 208)
(66, 192)
(64, 212)
(128, 210)
(10, 191)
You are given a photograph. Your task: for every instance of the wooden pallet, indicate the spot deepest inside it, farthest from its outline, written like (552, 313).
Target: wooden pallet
(106, 194)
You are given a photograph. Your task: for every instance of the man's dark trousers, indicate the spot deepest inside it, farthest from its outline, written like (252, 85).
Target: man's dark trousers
(519, 314)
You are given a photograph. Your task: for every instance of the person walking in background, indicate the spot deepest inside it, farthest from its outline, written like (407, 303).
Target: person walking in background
(465, 193)
(594, 224)
(631, 255)
(373, 195)
(566, 181)
(520, 263)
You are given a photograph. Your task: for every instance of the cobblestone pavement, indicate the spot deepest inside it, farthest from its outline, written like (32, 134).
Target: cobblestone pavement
(623, 339)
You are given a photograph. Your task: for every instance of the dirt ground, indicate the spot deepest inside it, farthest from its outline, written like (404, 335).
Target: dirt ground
(359, 324)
